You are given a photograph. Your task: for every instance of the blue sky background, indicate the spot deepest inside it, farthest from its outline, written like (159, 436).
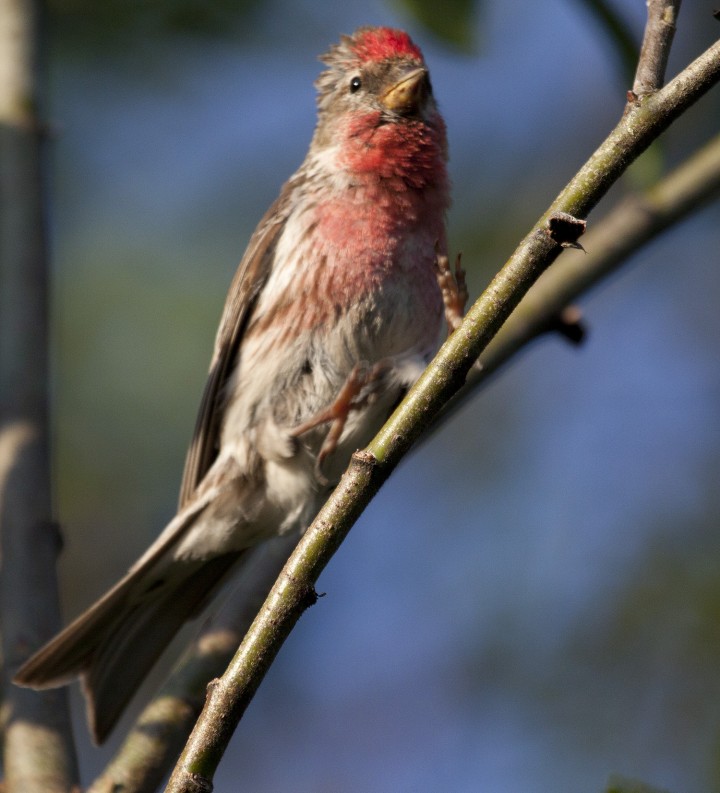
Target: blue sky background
(532, 601)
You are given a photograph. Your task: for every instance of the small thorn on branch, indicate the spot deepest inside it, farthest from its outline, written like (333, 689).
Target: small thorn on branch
(565, 230)
(364, 457)
(199, 784)
(310, 597)
(54, 530)
(569, 324)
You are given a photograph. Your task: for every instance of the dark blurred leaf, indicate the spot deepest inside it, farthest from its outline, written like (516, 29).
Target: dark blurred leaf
(453, 21)
(92, 26)
(626, 48)
(624, 41)
(621, 784)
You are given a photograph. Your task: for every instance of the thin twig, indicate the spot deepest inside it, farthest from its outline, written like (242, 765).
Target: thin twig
(659, 33)
(229, 696)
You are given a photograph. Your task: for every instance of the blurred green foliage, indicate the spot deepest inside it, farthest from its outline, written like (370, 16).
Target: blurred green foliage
(89, 26)
(620, 784)
(452, 22)
(617, 31)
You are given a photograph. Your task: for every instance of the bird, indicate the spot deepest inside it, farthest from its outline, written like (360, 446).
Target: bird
(333, 313)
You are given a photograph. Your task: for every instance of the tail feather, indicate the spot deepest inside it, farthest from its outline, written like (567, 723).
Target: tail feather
(114, 644)
(121, 662)
(69, 653)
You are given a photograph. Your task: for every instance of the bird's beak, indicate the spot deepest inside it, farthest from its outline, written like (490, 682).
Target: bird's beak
(406, 94)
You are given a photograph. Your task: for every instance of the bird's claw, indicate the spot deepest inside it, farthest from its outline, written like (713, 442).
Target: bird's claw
(454, 290)
(353, 395)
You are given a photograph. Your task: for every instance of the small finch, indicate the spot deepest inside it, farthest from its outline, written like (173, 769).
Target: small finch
(333, 313)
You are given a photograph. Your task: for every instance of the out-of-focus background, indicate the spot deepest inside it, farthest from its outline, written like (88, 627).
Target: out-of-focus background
(533, 601)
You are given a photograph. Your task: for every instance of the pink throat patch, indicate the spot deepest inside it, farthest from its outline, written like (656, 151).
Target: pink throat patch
(381, 43)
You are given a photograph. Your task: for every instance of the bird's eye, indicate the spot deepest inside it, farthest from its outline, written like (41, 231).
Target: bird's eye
(355, 84)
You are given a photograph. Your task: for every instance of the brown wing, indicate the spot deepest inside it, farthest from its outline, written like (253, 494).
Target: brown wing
(244, 289)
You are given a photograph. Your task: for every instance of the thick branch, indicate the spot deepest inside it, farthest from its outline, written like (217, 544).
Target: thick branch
(38, 752)
(294, 590)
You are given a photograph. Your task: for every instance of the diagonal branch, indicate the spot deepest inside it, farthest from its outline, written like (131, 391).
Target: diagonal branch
(293, 592)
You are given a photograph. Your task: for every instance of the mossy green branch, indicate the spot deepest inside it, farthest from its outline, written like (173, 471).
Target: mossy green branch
(293, 592)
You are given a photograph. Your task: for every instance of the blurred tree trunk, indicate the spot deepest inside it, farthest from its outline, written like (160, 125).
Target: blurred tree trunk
(38, 754)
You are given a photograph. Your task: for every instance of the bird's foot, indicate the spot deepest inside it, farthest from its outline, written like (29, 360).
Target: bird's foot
(454, 290)
(359, 390)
